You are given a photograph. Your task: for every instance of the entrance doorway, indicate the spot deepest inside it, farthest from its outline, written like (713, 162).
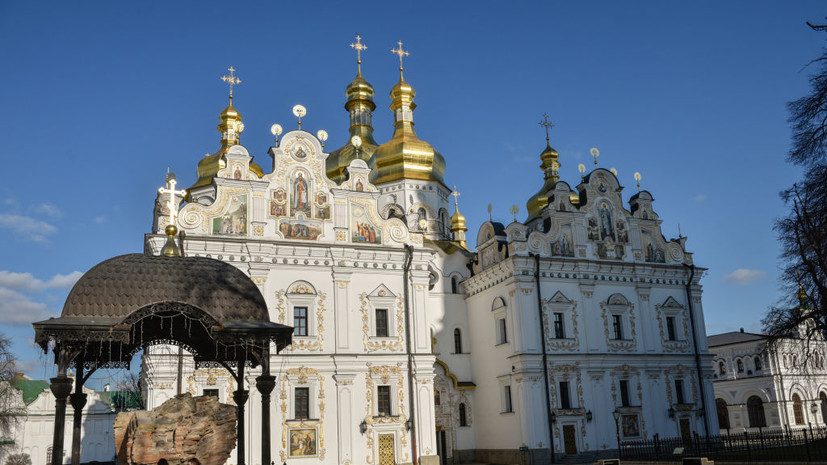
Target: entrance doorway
(441, 446)
(686, 431)
(386, 452)
(569, 440)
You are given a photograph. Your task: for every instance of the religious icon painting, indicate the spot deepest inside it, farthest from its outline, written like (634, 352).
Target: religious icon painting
(300, 229)
(279, 195)
(234, 220)
(323, 212)
(300, 194)
(361, 228)
(563, 246)
(277, 209)
(630, 426)
(303, 442)
(237, 172)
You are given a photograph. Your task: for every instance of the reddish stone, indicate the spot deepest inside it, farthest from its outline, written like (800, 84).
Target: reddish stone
(180, 429)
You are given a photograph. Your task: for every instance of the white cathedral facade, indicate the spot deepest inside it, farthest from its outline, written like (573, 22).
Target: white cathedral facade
(570, 331)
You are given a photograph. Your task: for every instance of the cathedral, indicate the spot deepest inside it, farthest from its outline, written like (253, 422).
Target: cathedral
(566, 333)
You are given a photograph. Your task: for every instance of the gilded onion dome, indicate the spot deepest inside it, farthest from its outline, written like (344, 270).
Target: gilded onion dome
(550, 166)
(230, 128)
(458, 227)
(360, 106)
(405, 156)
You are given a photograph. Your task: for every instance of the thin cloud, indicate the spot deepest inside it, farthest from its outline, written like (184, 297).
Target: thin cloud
(99, 219)
(26, 228)
(745, 276)
(25, 282)
(48, 209)
(18, 309)
(700, 197)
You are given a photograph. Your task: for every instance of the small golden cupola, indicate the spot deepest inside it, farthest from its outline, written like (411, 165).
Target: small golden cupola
(360, 106)
(550, 165)
(405, 156)
(458, 227)
(230, 128)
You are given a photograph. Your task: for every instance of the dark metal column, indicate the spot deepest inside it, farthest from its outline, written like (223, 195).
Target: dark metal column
(265, 384)
(78, 400)
(61, 387)
(240, 397)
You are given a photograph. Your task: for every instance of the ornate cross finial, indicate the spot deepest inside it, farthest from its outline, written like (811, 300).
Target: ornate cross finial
(232, 79)
(401, 53)
(456, 195)
(546, 124)
(359, 47)
(170, 189)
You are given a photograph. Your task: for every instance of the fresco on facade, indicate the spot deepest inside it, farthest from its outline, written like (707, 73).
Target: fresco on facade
(276, 209)
(652, 253)
(630, 426)
(234, 221)
(303, 442)
(563, 246)
(299, 194)
(361, 228)
(300, 229)
(322, 207)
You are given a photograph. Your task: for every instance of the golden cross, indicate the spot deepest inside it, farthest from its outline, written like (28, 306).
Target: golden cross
(456, 195)
(401, 53)
(546, 124)
(171, 182)
(231, 79)
(359, 46)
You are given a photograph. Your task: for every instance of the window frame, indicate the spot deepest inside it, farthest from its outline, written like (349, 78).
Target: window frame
(384, 391)
(296, 413)
(559, 324)
(508, 399)
(376, 321)
(565, 395)
(296, 319)
(679, 391)
(458, 341)
(623, 385)
(617, 327)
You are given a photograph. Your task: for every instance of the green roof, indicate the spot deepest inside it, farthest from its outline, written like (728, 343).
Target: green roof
(121, 400)
(31, 388)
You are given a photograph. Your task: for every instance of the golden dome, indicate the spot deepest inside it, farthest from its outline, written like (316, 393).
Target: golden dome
(230, 128)
(458, 227)
(360, 105)
(550, 166)
(405, 156)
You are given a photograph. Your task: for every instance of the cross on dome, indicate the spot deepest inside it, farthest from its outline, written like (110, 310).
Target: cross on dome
(359, 47)
(232, 79)
(546, 124)
(171, 182)
(456, 195)
(401, 53)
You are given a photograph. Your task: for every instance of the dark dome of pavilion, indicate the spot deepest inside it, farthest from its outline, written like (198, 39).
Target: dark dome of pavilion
(121, 285)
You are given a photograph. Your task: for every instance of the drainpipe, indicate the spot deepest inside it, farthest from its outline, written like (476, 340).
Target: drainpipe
(545, 356)
(695, 345)
(412, 410)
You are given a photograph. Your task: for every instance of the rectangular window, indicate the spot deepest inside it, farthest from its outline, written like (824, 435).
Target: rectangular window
(559, 328)
(507, 394)
(617, 326)
(679, 391)
(299, 321)
(624, 392)
(565, 402)
(382, 322)
(383, 400)
(670, 328)
(302, 403)
(503, 335)
(210, 392)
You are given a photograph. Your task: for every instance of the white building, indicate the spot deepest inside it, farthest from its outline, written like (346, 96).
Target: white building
(759, 384)
(34, 431)
(443, 362)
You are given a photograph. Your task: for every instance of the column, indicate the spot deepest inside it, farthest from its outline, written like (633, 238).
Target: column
(78, 400)
(265, 385)
(61, 387)
(240, 397)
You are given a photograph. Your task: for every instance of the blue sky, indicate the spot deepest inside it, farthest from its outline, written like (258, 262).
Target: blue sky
(99, 98)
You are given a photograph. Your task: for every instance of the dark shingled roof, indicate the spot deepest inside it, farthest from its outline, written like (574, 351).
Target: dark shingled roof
(733, 337)
(115, 288)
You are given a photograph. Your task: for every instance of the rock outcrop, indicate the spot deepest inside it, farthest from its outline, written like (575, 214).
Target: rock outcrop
(180, 429)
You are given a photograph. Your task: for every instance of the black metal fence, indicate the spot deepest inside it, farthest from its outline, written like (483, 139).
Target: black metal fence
(764, 445)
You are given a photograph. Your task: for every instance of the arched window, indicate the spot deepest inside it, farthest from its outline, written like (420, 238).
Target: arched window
(421, 215)
(758, 365)
(798, 410)
(457, 341)
(740, 366)
(755, 410)
(823, 397)
(463, 417)
(454, 285)
(721, 368)
(723, 413)
(436, 397)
